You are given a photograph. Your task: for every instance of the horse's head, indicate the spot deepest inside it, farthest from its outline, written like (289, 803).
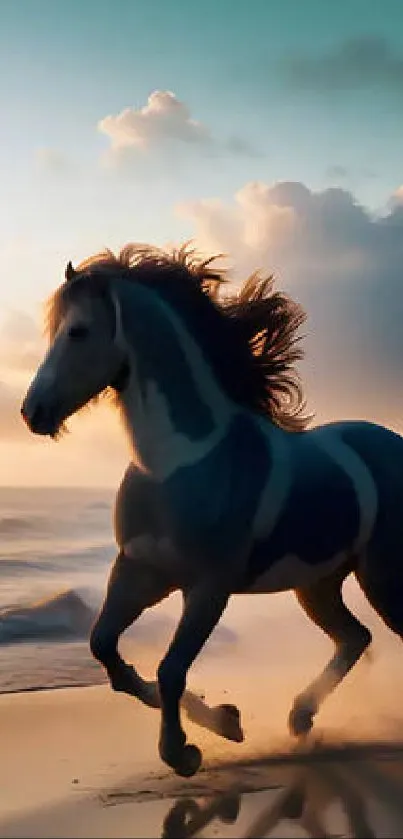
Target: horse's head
(85, 354)
(249, 340)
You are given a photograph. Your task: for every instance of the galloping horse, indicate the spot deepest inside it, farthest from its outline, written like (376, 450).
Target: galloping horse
(229, 491)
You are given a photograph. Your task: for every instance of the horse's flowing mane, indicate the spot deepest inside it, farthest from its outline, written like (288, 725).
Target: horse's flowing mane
(250, 335)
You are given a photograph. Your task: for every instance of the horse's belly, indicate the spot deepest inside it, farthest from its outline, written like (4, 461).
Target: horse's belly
(291, 572)
(317, 525)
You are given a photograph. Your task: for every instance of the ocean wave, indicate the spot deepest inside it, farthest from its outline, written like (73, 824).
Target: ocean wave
(69, 615)
(18, 526)
(99, 505)
(53, 558)
(64, 616)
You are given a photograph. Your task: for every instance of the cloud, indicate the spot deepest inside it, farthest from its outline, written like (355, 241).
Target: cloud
(264, 221)
(365, 63)
(163, 118)
(163, 124)
(396, 199)
(343, 264)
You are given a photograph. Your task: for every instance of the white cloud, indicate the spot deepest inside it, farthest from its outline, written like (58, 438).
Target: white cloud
(285, 228)
(163, 123)
(343, 264)
(397, 197)
(164, 117)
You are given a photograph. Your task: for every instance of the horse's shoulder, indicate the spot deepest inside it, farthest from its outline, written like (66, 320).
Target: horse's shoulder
(136, 505)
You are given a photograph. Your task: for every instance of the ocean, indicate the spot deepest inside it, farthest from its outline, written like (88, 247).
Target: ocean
(56, 546)
(56, 549)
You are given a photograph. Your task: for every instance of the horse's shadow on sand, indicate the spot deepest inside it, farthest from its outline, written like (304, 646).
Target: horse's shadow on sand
(313, 788)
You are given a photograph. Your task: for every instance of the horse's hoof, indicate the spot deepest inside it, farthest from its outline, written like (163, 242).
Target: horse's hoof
(125, 680)
(230, 723)
(189, 763)
(300, 720)
(228, 810)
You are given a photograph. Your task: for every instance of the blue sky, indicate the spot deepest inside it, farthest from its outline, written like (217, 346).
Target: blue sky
(262, 91)
(63, 67)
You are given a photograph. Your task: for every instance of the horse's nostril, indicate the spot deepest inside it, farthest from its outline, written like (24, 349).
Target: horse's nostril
(37, 417)
(24, 414)
(33, 418)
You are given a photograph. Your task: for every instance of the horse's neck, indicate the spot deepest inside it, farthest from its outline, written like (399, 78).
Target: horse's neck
(173, 407)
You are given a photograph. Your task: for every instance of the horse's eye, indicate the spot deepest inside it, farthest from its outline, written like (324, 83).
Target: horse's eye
(78, 332)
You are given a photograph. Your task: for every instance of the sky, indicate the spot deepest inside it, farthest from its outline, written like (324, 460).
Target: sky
(269, 130)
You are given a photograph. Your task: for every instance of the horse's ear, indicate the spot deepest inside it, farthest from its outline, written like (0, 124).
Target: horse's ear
(69, 272)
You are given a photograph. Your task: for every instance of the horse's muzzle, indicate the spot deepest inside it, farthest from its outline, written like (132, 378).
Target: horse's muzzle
(40, 419)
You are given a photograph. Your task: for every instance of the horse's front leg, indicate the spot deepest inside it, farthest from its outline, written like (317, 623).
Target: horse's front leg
(133, 586)
(203, 607)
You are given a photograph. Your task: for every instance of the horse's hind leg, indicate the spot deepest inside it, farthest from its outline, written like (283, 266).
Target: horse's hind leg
(323, 603)
(382, 584)
(132, 587)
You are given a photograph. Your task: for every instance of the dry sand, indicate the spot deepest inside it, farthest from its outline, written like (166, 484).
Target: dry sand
(83, 762)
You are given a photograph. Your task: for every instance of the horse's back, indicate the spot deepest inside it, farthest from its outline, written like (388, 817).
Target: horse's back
(361, 435)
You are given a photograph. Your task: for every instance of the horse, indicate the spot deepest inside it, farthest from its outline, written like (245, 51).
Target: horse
(231, 491)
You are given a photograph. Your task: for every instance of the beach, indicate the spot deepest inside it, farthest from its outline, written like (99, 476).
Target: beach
(79, 760)
(83, 762)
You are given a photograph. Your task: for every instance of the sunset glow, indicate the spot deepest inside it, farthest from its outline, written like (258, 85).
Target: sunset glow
(292, 179)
